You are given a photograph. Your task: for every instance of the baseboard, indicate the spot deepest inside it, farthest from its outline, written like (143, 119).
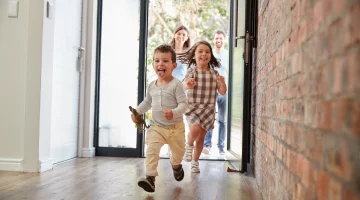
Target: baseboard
(88, 152)
(7, 164)
(46, 164)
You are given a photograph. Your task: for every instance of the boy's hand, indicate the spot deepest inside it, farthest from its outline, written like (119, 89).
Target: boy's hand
(133, 118)
(189, 83)
(137, 118)
(168, 114)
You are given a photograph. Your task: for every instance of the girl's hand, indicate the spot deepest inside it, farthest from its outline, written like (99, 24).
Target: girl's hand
(168, 114)
(220, 79)
(189, 83)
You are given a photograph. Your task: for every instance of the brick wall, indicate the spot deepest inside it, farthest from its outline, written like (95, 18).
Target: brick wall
(306, 102)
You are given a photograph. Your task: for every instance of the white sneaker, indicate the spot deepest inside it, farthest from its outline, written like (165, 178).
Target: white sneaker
(206, 150)
(188, 153)
(195, 166)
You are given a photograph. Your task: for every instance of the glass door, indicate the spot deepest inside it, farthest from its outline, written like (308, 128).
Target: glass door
(164, 18)
(240, 86)
(120, 76)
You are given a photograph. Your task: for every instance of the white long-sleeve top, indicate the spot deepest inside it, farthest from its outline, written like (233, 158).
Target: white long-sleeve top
(170, 96)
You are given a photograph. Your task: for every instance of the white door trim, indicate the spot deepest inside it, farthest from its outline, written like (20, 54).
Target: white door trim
(87, 79)
(82, 78)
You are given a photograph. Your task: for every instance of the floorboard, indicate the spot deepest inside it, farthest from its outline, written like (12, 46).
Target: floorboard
(116, 178)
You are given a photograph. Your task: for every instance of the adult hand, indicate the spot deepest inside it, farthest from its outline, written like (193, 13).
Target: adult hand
(168, 114)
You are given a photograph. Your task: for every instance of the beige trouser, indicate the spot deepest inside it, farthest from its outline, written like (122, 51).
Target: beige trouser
(157, 137)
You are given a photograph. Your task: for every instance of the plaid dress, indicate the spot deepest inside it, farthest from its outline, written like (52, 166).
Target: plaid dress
(201, 98)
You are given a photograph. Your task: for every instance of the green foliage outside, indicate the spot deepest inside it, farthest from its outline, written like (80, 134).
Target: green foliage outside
(202, 17)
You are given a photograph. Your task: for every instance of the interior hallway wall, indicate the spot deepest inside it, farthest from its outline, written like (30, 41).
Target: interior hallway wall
(306, 102)
(20, 57)
(13, 57)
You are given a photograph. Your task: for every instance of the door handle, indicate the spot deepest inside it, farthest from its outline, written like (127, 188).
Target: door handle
(247, 37)
(80, 52)
(80, 55)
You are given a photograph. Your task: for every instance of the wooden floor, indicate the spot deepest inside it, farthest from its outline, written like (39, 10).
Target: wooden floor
(116, 178)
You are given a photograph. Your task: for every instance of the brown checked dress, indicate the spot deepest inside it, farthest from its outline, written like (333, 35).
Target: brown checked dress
(201, 98)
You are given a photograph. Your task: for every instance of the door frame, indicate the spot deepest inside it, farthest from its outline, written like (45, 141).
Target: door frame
(82, 95)
(122, 152)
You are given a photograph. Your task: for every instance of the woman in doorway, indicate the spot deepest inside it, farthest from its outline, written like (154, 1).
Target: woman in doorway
(180, 43)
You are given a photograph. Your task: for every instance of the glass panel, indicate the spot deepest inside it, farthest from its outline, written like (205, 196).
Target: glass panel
(240, 18)
(119, 73)
(237, 99)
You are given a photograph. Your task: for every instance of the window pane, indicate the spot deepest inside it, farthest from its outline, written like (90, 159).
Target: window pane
(118, 72)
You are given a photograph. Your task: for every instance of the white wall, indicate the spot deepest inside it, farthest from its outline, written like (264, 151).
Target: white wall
(21, 62)
(13, 62)
(26, 67)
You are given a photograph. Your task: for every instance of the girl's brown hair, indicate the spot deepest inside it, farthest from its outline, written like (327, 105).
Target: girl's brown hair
(188, 57)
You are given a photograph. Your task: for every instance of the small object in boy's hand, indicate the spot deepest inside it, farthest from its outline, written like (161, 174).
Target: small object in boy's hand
(139, 119)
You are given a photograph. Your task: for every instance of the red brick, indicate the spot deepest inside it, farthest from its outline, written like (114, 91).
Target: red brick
(350, 195)
(292, 161)
(354, 24)
(318, 15)
(291, 87)
(340, 75)
(322, 46)
(302, 32)
(299, 192)
(324, 115)
(297, 114)
(311, 114)
(354, 70)
(301, 141)
(327, 5)
(279, 148)
(289, 134)
(310, 144)
(322, 186)
(322, 80)
(293, 41)
(309, 54)
(341, 115)
(338, 5)
(295, 139)
(300, 165)
(283, 153)
(356, 120)
(317, 149)
(334, 190)
(335, 38)
(339, 159)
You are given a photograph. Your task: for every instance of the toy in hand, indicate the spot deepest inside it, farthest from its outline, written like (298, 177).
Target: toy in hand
(139, 119)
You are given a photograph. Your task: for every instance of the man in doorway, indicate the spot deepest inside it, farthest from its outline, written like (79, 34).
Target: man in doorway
(221, 54)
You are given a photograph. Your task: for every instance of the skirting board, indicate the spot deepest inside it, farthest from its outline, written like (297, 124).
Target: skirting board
(46, 164)
(88, 152)
(7, 164)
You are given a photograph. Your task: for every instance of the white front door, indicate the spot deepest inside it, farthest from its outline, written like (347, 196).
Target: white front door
(65, 105)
